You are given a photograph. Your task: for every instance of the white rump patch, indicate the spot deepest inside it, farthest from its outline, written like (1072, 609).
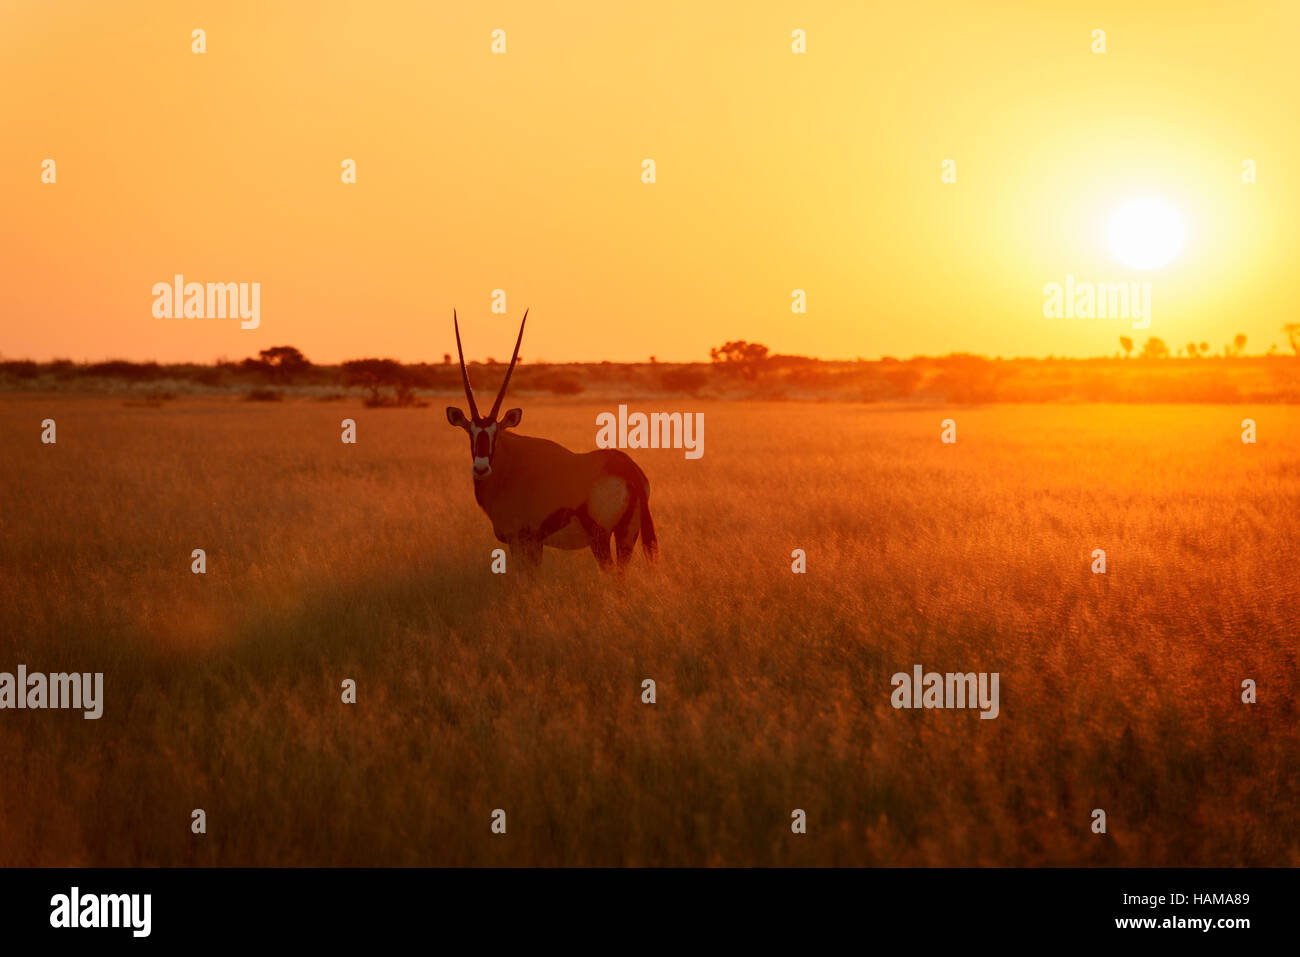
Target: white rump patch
(608, 502)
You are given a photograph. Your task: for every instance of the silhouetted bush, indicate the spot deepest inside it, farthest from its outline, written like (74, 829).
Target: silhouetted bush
(891, 380)
(377, 374)
(746, 358)
(20, 369)
(686, 380)
(557, 383)
(281, 364)
(966, 378)
(121, 369)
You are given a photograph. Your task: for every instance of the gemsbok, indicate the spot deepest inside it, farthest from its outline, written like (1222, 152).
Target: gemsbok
(537, 492)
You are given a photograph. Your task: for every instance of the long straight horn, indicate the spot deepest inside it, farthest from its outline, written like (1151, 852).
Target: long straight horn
(513, 359)
(469, 393)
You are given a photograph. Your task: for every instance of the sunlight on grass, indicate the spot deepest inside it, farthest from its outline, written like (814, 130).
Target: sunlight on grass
(523, 691)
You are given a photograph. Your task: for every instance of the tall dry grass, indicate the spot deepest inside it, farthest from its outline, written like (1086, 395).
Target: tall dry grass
(522, 692)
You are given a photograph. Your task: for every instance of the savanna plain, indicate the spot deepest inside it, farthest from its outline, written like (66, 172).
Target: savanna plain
(476, 691)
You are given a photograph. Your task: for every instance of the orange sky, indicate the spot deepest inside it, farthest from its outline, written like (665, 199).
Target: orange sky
(522, 172)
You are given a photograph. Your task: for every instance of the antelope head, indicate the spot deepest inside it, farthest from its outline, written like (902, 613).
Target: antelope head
(484, 430)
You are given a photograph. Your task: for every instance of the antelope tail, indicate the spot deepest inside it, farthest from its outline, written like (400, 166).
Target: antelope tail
(649, 540)
(619, 463)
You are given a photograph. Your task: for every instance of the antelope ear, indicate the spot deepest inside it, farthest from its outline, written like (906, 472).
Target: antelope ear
(456, 417)
(512, 418)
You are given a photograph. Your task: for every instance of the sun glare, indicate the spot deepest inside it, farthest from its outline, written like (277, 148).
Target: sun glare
(1146, 233)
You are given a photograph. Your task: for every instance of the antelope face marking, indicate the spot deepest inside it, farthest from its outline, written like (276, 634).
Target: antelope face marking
(481, 443)
(484, 430)
(483, 435)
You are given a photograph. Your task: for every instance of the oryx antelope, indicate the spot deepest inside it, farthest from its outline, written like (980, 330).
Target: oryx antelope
(537, 492)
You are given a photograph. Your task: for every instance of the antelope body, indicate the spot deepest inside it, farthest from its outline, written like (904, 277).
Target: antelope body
(536, 492)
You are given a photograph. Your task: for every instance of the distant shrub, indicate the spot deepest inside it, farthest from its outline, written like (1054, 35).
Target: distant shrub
(280, 364)
(685, 380)
(20, 369)
(966, 378)
(1155, 348)
(402, 400)
(377, 374)
(426, 376)
(903, 380)
(892, 380)
(263, 395)
(121, 369)
(558, 383)
(746, 358)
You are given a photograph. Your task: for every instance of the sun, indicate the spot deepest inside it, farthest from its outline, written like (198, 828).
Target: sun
(1146, 233)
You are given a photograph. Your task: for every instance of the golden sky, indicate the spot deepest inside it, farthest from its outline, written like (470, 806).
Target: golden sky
(523, 172)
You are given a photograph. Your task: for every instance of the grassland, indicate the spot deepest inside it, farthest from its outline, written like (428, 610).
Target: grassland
(326, 561)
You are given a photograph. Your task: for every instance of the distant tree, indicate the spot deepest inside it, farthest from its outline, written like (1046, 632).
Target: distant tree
(1127, 345)
(446, 358)
(1272, 350)
(1238, 343)
(376, 374)
(284, 357)
(1292, 329)
(1205, 348)
(740, 356)
(1155, 348)
(283, 362)
(1191, 350)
